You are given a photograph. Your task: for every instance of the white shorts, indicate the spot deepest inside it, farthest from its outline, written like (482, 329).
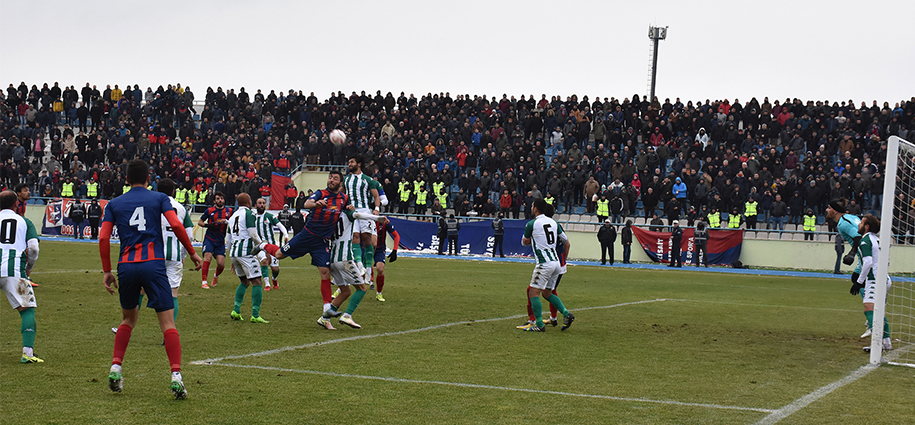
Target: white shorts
(175, 271)
(274, 262)
(247, 267)
(345, 273)
(18, 291)
(545, 275)
(364, 226)
(870, 290)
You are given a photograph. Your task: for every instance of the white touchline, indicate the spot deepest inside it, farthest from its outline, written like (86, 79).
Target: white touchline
(493, 387)
(428, 328)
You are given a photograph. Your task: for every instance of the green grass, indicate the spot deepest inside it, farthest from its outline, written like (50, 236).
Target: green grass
(697, 339)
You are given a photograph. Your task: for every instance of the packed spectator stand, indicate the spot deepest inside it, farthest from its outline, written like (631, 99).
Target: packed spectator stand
(477, 155)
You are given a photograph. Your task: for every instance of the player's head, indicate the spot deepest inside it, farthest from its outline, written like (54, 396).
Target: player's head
(23, 191)
(166, 186)
(356, 162)
(219, 199)
(244, 199)
(137, 172)
(835, 208)
(8, 200)
(260, 205)
(869, 223)
(539, 206)
(549, 210)
(334, 179)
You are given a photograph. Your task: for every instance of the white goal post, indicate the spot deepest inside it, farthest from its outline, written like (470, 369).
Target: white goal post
(896, 215)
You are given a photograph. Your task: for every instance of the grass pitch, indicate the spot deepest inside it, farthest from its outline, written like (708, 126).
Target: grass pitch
(647, 347)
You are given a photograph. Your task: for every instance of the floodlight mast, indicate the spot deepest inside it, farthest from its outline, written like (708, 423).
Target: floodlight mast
(656, 34)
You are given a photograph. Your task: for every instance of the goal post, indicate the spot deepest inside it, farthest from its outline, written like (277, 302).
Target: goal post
(896, 219)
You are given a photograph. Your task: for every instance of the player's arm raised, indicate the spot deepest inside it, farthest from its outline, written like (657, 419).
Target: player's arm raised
(173, 221)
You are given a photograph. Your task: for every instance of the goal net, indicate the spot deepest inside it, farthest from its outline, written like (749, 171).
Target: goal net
(896, 258)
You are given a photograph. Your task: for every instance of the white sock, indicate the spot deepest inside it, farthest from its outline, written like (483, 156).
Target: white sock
(28, 351)
(347, 316)
(116, 368)
(176, 376)
(326, 306)
(552, 318)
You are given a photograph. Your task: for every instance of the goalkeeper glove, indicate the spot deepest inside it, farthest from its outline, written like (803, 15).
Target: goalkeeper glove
(393, 257)
(849, 259)
(856, 288)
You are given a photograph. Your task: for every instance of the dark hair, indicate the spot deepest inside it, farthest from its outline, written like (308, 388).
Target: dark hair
(218, 193)
(166, 186)
(8, 200)
(20, 186)
(339, 174)
(549, 210)
(359, 159)
(540, 204)
(137, 172)
(872, 223)
(838, 204)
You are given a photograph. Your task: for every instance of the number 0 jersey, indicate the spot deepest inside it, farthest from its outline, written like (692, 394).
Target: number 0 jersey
(545, 236)
(174, 250)
(137, 215)
(341, 246)
(242, 220)
(15, 232)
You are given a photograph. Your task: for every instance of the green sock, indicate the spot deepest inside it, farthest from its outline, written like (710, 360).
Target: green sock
(354, 301)
(140, 303)
(537, 308)
(240, 296)
(368, 256)
(870, 319)
(357, 252)
(886, 327)
(276, 273)
(257, 295)
(175, 301)
(554, 299)
(28, 327)
(265, 270)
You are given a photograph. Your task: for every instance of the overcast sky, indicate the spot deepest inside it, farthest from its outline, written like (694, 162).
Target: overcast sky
(835, 50)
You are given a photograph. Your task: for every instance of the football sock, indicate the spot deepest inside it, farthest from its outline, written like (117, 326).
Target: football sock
(121, 339)
(175, 301)
(368, 255)
(28, 327)
(140, 303)
(276, 273)
(354, 301)
(326, 291)
(379, 283)
(219, 270)
(357, 253)
(331, 308)
(886, 328)
(173, 349)
(530, 311)
(553, 309)
(271, 249)
(264, 272)
(205, 270)
(240, 296)
(870, 319)
(555, 301)
(537, 309)
(257, 295)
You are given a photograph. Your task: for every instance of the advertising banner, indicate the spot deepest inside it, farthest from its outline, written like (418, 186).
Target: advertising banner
(723, 245)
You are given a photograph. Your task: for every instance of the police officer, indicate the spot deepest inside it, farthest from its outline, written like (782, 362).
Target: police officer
(453, 226)
(676, 237)
(498, 231)
(750, 213)
(95, 216)
(77, 215)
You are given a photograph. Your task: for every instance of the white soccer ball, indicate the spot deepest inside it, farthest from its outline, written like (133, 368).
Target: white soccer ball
(337, 137)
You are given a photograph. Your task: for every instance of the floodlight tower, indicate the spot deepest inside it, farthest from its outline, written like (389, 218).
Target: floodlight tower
(656, 34)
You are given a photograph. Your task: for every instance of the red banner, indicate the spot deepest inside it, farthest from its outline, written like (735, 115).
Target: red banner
(278, 191)
(723, 245)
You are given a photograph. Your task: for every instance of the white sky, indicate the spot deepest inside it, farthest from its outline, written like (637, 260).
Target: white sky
(835, 50)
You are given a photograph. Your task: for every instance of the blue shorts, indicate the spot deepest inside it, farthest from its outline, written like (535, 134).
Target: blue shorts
(149, 275)
(215, 247)
(379, 254)
(306, 243)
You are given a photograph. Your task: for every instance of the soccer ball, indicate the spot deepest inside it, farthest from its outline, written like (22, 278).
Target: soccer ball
(338, 137)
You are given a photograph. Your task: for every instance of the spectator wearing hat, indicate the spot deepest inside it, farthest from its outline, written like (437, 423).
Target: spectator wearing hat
(606, 235)
(676, 237)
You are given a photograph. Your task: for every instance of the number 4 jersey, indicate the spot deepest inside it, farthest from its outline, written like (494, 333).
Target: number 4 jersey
(137, 215)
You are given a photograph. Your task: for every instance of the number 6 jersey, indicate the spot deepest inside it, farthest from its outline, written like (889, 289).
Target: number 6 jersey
(545, 235)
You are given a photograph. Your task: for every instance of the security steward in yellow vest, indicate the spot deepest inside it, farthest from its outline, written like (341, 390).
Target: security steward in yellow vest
(810, 225)
(714, 219)
(202, 197)
(442, 198)
(734, 219)
(403, 188)
(552, 201)
(66, 190)
(181, 195)
(749, 213)
(603, 208)
(421, 201)
(92, 189)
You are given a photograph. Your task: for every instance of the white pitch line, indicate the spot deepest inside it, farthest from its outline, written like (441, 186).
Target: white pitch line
(428, 328)
(804, 401)
(493, 387)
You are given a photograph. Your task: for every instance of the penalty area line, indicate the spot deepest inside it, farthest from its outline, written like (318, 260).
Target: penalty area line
(427, 328)
(499, 388)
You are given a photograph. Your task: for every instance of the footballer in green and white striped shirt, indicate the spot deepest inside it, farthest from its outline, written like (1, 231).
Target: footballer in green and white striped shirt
(363, 194)
(543, 234)
(264, 221)
(174, 251)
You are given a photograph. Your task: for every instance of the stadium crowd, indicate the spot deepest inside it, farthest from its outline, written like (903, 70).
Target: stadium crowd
(769, 162)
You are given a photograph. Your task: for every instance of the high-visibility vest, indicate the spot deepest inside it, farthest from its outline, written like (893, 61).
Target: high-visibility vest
(66, 190)
(421, 197)
(714, 219)
(418, 184)
(550, 200)
(149, 188)
(437, 187)
(603, 207)
(125, 189)
(734, 221)
(181, 195)
(92, 189)
(810, 223)
(202, 197)
(404, 189)
(443, 199)
(750, 209)
(192, 196)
